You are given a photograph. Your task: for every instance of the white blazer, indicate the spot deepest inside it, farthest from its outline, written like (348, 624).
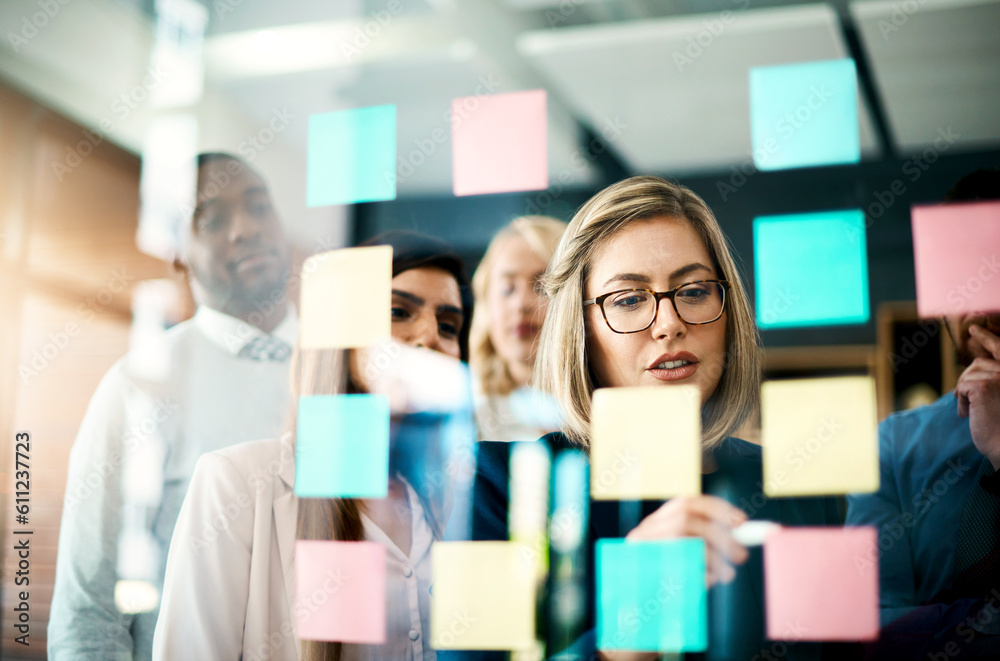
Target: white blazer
(230, 580)
(229, 591)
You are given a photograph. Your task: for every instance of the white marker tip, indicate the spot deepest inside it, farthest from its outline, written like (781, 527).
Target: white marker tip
(753, 533)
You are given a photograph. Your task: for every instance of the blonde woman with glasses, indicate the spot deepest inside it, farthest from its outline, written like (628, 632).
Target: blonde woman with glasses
(503, 339)
(643, 291)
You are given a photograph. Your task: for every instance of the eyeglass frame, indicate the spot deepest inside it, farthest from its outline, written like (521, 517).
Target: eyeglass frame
(657, 297)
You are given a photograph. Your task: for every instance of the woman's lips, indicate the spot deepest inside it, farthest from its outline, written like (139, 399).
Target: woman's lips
(675, 374)
(525, 331)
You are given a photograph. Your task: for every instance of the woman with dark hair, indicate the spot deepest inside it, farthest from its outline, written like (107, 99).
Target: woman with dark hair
(229, 591)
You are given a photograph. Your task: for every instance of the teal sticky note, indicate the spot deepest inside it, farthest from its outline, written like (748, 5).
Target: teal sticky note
(811, 269)
(342, 446)
(804, 115)
(351, 156)
(651, 595)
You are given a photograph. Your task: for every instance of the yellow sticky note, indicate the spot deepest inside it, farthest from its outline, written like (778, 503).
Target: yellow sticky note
(645, 443)
(483, 596)
(346, 298)
(819, 436)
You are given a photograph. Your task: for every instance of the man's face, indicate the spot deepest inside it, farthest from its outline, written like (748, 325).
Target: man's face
(967, 347)
(237, 253)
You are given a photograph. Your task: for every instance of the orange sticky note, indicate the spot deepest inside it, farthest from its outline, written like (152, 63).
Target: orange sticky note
(340, 591)
(500, 143)
(483, 596)
(956, 256)
(646, 443)
(346, 298)
(821, 584)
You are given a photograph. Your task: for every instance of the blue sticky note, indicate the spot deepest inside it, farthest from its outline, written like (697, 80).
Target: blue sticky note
(342, 446)
(651, 595)
(811, 269)
(804, 115)
(352, 156)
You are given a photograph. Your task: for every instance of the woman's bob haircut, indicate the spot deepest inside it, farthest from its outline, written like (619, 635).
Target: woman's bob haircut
(562, 368)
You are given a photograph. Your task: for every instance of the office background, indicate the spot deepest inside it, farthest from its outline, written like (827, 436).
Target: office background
(634, 87)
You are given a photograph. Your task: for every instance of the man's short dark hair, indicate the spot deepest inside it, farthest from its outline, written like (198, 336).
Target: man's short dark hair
(207, 157)
(982, 184)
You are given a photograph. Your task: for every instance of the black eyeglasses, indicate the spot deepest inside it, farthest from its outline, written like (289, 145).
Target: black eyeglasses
(634, 310)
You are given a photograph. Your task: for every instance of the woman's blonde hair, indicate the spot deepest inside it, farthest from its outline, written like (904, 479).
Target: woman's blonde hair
(542, 234)
(562, 368)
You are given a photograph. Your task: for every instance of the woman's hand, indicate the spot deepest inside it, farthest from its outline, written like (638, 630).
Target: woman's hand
(708, 517)
(607, 655)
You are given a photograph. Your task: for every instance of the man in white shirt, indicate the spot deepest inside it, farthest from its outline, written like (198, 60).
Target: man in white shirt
(217, 379)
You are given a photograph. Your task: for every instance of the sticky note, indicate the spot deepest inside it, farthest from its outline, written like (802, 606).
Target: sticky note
(821, 584)
(342, 446)
(167, 184)
(351, 156)
(804, 115)
(645, 443)
(138, 553)
(340, 591)
(483, 596)
(346, 298)
(528, 512)
(819, 436)
(651, 595)
(811, 269)
(500, 143)
(570, 504)
(134, 597)
(956, 256)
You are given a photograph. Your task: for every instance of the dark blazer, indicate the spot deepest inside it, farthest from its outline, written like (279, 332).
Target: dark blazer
(736, 610)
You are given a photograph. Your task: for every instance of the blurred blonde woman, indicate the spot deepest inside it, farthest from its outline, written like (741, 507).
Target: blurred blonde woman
(510, 310)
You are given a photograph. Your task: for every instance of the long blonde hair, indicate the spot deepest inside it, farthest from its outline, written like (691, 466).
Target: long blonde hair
(542, 235)
(561, 367)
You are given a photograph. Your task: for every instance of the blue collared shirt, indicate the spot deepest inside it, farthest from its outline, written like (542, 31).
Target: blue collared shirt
(928, 464)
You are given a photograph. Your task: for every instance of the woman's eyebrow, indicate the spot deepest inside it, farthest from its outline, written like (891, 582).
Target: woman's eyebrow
(645, 279)
(450, 309)
(408, 296)
(684, 270)
(628, 277)
(416, 300)
(513, 273)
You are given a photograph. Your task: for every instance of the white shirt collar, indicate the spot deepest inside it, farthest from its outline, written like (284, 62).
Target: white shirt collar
(232, 334)
(421, 535)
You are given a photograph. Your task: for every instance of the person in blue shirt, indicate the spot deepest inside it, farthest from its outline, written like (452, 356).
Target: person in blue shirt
(938, 507)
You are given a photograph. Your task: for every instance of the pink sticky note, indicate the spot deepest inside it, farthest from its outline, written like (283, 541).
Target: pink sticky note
(500, 143)
(956, 255)
(340, 591)
(821, 584)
